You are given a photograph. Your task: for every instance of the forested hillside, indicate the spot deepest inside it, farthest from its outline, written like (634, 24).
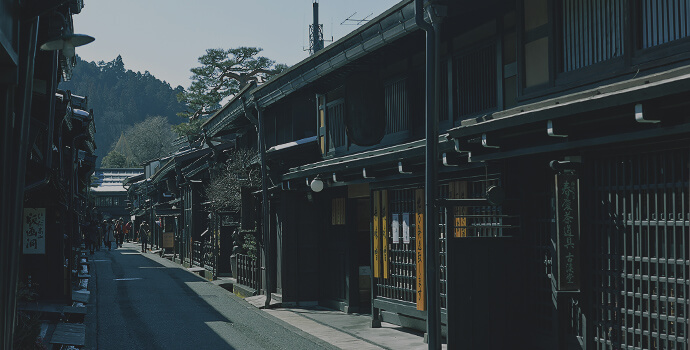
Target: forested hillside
(121, 98)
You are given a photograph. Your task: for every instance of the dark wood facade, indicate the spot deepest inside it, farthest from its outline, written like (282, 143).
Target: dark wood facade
(48, 145)
(596, 86)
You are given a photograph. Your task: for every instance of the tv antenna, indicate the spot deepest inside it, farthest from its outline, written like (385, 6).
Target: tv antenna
(316, 40)
(350, 21)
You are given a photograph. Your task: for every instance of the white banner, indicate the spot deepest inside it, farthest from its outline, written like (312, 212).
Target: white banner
(396, 228)
(406, 228)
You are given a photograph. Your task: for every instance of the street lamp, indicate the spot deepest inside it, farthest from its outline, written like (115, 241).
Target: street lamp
(316, 185)
(67, 41)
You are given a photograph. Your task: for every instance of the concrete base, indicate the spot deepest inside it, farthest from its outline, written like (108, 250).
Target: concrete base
(259, 301)
(277, 297)
(226, 283)
(243, 291)
(208, 275)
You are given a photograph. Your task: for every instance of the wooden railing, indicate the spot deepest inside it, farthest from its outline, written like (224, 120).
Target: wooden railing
(197, 253)
(249, 271)
(209, 257)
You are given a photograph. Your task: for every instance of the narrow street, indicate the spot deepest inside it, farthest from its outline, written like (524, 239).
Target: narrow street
(141, 302)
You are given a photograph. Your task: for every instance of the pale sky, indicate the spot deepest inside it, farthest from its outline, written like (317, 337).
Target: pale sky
(166, 37)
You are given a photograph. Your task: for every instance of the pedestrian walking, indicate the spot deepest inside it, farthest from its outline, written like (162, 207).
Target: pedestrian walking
(109, 234)
(119, 232)
(144, 236)
(92, 236)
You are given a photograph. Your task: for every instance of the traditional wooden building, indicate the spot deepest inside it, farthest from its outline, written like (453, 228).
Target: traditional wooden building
(109, 194)
(170, 196)
(56, 206)
(569, 110)
(46, 145)
(596, 150)
(555, 203)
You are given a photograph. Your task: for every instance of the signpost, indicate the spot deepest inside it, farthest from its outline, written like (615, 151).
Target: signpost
(168, 240)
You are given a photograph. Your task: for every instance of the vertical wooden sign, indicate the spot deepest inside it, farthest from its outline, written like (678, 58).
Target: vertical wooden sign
(458, 190)
(384, 231)
(34, 238)
(376, 234)
(419, 248)
(568, 231)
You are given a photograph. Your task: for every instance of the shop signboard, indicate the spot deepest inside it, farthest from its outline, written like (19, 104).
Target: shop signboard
(568, 231)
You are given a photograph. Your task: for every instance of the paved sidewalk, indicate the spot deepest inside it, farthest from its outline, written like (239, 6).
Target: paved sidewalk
(345, 331)
(349, 331)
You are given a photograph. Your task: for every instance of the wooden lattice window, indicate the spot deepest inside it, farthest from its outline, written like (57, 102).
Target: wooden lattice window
(592, 32)
(397, 107)
(663, 21)
(475, 74)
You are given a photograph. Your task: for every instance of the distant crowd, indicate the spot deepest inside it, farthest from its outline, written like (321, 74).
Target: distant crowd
(111, 232)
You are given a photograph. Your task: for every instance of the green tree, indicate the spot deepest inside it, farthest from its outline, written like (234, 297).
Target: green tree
(121, 98)
(222, 74)
(114, 159)
(190, 130)
(150, 139)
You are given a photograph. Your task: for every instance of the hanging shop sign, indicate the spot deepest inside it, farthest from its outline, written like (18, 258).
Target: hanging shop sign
(34, 239)
(385, 231)
(458, 190)
(419, 248)
(568, 231)
(377, 234)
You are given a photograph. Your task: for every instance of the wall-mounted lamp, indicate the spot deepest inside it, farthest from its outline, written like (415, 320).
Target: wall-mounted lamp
(316, 185)
(67, 42)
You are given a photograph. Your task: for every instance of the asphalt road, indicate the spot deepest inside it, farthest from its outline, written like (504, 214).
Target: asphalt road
(146, 302)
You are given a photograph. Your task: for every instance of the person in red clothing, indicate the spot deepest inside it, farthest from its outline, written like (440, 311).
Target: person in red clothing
(128, 231)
